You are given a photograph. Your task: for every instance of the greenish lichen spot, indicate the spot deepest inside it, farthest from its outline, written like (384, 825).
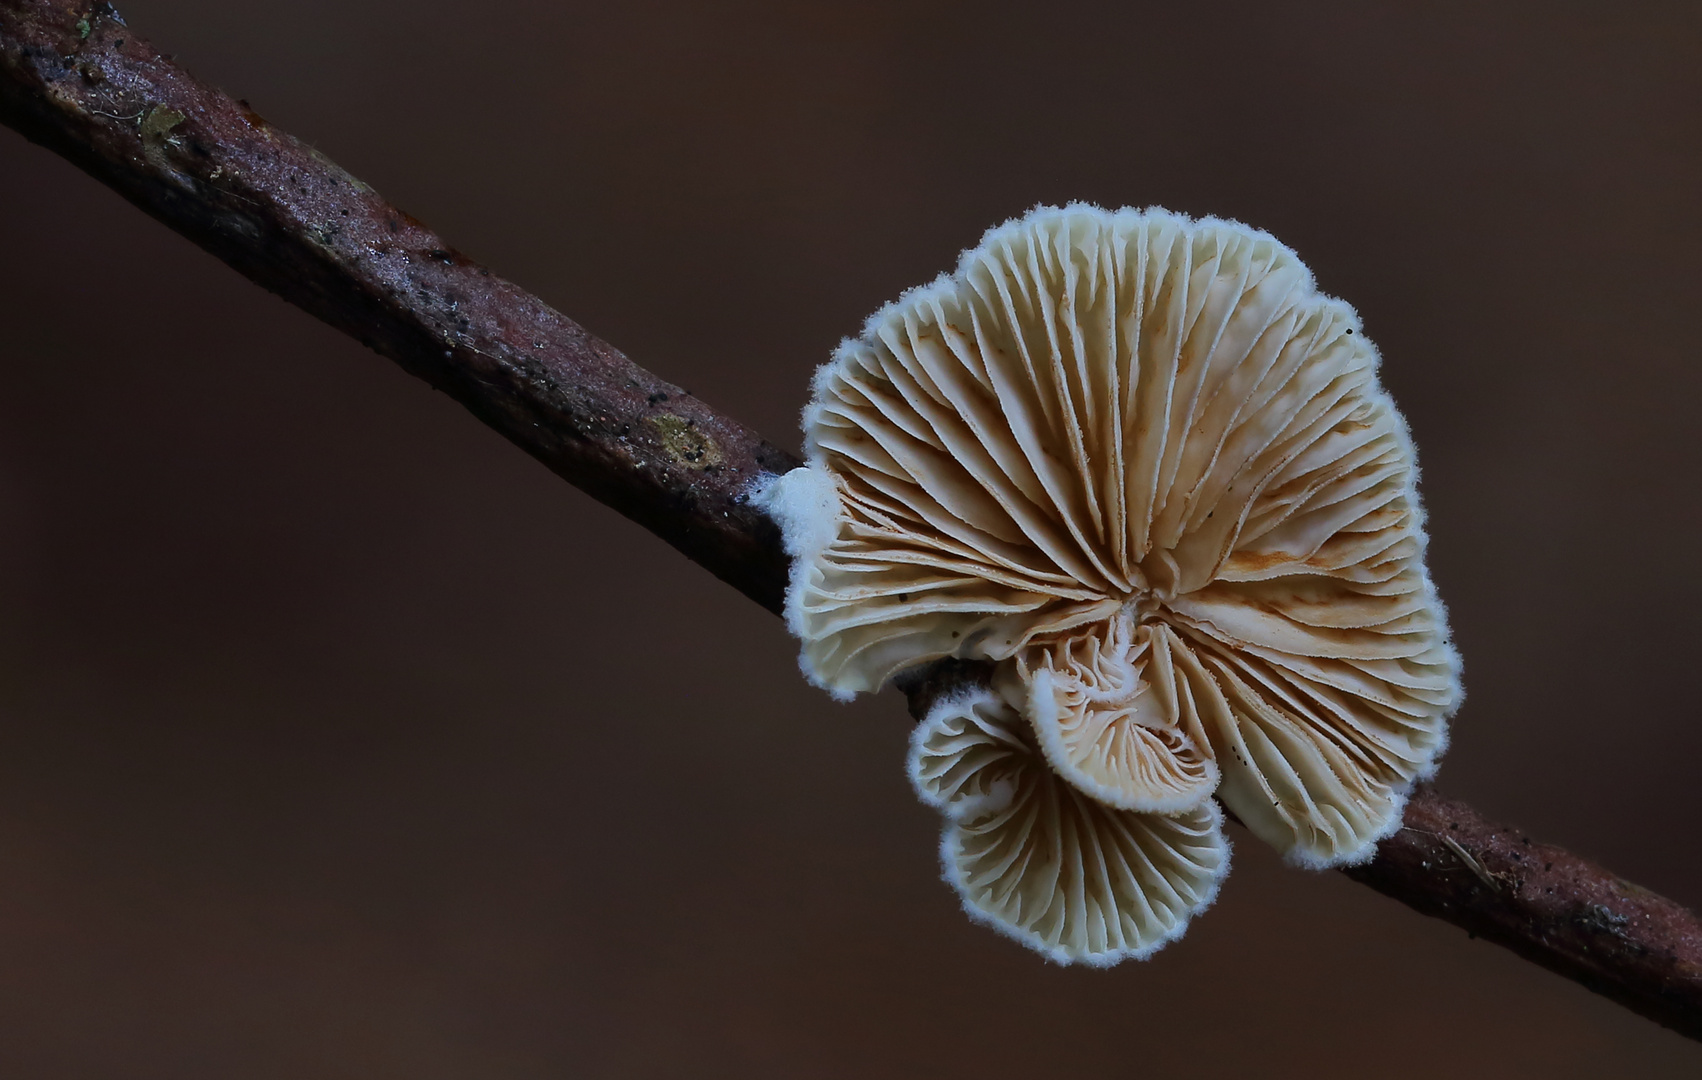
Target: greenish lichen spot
(156, 135)
(684, 443)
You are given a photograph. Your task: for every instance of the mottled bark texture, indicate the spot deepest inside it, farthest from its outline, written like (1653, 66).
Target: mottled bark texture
(1546, 904)
(76, 79)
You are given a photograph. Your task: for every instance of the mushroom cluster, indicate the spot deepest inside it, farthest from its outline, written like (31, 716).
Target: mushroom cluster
(1143, 467)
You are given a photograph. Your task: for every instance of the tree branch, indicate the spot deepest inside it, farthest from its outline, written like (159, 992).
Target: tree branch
(75, 79)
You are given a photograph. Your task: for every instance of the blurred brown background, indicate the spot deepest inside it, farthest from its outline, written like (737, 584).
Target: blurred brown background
(340, 739)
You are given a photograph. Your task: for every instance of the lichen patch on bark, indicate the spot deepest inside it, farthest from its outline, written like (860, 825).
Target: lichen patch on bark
(685, 443)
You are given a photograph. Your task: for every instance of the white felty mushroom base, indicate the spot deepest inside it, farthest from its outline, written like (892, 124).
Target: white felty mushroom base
(1142, 465)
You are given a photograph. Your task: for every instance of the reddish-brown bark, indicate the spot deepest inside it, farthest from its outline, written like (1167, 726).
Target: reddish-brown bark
(74, 78)
(1546, 904)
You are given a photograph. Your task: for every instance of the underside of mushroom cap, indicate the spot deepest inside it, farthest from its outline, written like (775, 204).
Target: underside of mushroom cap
(1141, 464)
(1111, 717)
(1036, 859)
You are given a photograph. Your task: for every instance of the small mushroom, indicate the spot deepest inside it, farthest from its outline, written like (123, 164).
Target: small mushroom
(1040, 861)
(1141, 464)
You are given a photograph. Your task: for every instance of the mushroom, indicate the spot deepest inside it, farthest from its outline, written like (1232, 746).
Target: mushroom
(1037, 859)
(1140, 464)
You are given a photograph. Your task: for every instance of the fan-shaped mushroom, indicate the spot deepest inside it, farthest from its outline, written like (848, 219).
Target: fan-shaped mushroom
(1142, 465)
(1036, 859)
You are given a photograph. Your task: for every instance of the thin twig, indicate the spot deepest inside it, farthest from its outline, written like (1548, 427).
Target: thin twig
(75, 79)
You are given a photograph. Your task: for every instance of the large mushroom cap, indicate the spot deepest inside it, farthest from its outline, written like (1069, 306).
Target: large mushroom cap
(1143, 465)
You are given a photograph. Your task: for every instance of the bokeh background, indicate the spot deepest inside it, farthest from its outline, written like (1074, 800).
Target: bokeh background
(340, 739)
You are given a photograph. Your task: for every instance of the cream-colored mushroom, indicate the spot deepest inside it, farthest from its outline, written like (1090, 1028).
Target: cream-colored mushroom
(1038, 860)
(1140, 463)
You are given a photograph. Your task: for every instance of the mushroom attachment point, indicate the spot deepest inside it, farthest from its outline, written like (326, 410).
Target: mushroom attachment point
(1140, 464)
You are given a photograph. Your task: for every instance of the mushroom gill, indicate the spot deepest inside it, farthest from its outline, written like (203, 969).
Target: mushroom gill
(1145, 467)
(1038, 860)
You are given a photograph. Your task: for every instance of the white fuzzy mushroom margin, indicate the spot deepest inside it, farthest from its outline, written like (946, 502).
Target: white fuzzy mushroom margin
(957, 502)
